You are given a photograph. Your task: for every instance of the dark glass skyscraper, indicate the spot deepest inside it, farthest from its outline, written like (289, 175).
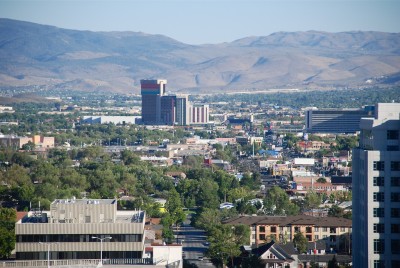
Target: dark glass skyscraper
(152, 91)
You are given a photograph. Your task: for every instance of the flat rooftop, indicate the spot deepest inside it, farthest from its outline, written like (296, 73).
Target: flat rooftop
(85, 201)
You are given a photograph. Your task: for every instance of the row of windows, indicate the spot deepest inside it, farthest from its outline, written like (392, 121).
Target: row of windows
(381, 263)
(379, 246)
(380, 181)
(380, 212)
(273, 229)
(392, 134)
(78, 238)
(380, 165)
(62, 255)
(380, 228)
(380, 197)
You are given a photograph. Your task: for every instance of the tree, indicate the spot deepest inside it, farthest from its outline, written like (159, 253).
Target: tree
(277, 202)
(7, 236)
(167, 222)
(174, 207)
(224, 181)
(225, 241)
(300, 242)
(7, 242)
(335, 211)
(29, 146)
(208, 219)
(129, 158)
(312, 200)
(333, 263)
(252, 261)
(321, 180)
(17, 176)
(208, 194)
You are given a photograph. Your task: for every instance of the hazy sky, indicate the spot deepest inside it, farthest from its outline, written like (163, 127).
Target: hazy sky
(207, 21)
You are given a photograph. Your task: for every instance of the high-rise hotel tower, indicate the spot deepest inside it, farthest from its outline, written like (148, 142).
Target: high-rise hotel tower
(152, 91)
(376, 190)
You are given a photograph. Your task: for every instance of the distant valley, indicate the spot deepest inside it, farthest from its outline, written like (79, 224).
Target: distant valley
(40, 57)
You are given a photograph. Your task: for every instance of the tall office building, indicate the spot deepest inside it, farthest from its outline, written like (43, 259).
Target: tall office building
(376, 190)
(199, 114)
(336, 120)
(152, 91)
(168, 108)
(182, 110)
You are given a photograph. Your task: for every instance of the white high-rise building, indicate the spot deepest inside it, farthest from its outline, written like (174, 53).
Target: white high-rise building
(376, 190)
(199, 114)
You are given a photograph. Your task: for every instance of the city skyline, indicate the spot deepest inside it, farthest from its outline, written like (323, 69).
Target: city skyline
(200, 22)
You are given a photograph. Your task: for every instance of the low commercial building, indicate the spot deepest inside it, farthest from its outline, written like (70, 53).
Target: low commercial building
(80, 229)
(17, 142)
(336, 120)
(117, 120)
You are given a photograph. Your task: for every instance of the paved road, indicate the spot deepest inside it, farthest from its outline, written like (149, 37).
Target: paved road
(194, 244)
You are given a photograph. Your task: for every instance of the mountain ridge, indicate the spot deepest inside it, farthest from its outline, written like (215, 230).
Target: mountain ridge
(43, 56)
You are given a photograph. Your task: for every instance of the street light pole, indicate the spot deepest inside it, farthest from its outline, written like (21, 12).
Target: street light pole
(101, 246)
(48, 251)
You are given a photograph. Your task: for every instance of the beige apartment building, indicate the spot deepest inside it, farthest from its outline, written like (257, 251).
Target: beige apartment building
(18, 142)
(283, 228)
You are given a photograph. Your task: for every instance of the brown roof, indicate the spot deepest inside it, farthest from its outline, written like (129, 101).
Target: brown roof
(290, 220)
(21, 214)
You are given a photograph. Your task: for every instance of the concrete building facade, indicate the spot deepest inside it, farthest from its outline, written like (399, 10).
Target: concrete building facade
(376, 190)
(69, 229)
(336, 120)
(182, 110)
(199, 114)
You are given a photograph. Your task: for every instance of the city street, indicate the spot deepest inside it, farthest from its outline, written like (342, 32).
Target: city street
(194, 244)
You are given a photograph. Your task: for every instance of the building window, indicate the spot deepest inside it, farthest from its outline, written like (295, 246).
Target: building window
(324, 236)
(395, 165)
(342, 229)
(273, 229)
(379, 228)
(395, 246)
(395, 228)
(296, 229)
(316, 229)
(395, 197)
(325, 229)
(392, 134)
(308, 230)
(395, 263)
(379, 165)
(262, 229)
(379, 264)
(316, 237)
(395, 213)
(379, 212)
(395, 181)
(379, 181)
(379, 197)
(379, 246)
(261, 237)
(392, 148)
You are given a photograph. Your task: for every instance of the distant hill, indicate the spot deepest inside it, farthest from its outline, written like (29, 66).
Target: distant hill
(39, 56)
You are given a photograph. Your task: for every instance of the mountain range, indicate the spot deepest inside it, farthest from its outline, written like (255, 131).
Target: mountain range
(46, 57)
